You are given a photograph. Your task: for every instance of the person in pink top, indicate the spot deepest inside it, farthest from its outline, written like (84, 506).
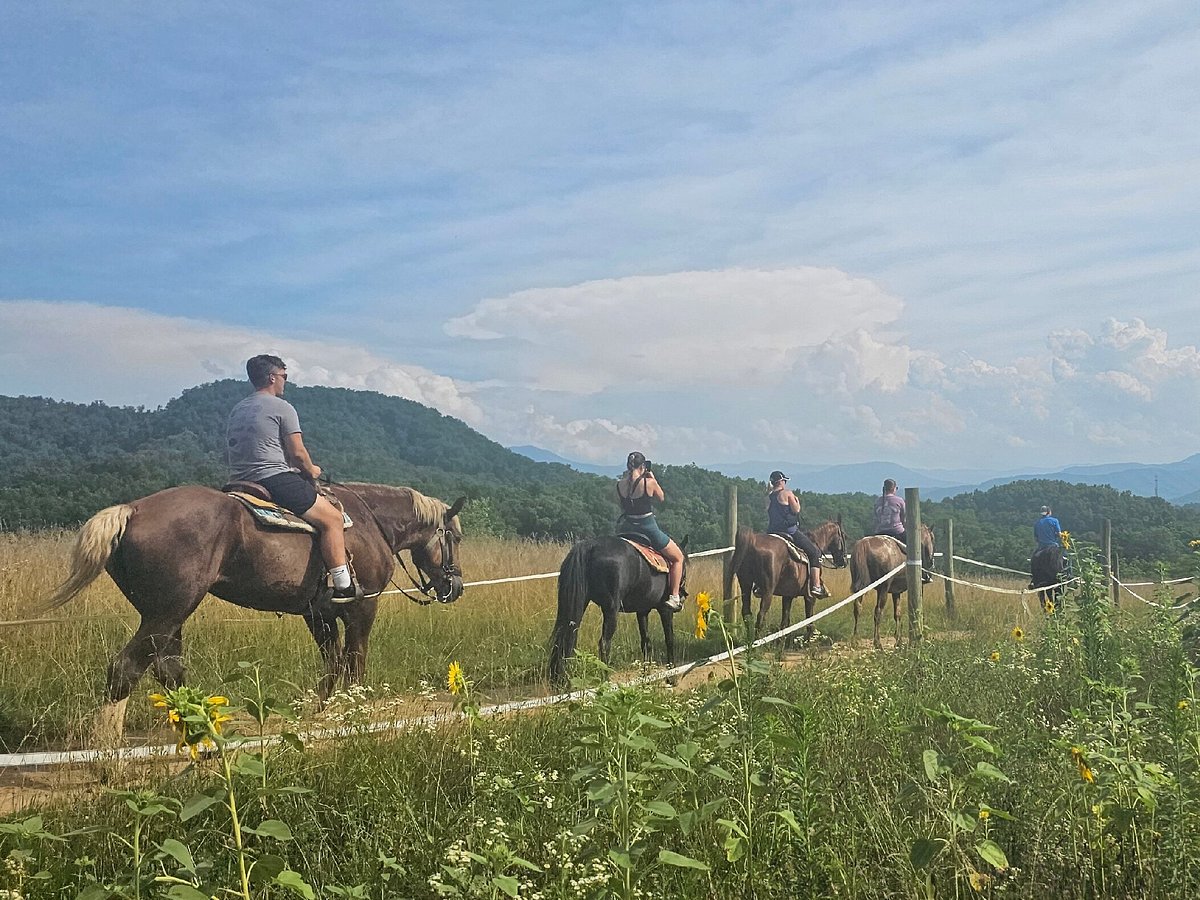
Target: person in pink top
(889, 516)
(889, 512)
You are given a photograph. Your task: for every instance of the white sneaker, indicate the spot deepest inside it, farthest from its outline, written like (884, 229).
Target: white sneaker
(675, 603)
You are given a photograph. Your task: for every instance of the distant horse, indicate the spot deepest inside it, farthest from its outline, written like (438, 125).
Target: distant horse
(873, 557)
(762, 564)
(613, 575)
(1047, 566)
(167, 550)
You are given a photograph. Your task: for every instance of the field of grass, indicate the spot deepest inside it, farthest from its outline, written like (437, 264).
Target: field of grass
(52, 676)
(1059, 760)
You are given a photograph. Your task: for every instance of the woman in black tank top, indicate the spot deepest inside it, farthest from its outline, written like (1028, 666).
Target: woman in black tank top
(635, 491)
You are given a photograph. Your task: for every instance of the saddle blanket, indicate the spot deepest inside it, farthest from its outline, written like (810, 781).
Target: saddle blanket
(272, 515)
(654, 558)
(793, 550)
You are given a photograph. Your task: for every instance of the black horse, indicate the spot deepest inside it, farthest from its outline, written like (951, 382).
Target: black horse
(1047, 566)
(614, 576)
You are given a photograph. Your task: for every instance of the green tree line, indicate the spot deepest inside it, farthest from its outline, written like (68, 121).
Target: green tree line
(61, 462)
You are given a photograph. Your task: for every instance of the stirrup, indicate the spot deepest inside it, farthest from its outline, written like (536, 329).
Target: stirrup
(348, 594)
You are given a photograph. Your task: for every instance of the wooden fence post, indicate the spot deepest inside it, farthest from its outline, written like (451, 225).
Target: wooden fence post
(912, 571)
(951, 612)
(731, 522)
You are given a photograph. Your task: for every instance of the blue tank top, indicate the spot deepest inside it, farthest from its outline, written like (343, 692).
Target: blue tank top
(780, 518)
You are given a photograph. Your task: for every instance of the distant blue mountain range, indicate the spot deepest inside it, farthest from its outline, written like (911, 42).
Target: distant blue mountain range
(1178, 482)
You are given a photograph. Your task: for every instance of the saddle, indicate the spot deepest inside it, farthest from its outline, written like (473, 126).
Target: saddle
(270, 514)
(793, 551)
(653, 557)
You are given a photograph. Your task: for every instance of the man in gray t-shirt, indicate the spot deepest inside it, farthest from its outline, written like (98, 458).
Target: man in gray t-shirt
(264, 444)
(257, 427)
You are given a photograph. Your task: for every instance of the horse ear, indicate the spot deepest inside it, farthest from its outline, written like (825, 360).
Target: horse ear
(839, 520)
(683, 544)
(456, 508)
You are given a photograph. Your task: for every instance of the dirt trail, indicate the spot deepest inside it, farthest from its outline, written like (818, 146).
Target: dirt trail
(26, 788)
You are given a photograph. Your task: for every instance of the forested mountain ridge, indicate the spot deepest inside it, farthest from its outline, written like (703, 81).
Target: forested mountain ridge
(61, 462)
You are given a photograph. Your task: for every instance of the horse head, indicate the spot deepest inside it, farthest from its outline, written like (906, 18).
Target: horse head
(927, 549)
(437, 558)
(831, 538)
(837, 545)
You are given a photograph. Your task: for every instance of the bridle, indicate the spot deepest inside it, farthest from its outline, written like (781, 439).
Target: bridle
(450, 570)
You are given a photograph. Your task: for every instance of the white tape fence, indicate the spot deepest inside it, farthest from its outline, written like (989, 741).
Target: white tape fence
(168, 751)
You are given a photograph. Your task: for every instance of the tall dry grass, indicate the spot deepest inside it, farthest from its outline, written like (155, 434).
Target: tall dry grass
(52, 675)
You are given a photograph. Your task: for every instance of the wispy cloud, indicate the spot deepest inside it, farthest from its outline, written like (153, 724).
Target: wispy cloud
(955, 184)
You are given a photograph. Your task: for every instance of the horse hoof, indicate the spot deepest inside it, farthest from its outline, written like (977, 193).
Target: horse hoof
(108, 726)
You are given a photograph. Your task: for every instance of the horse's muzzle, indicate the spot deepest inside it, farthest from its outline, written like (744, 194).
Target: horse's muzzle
(454, 589)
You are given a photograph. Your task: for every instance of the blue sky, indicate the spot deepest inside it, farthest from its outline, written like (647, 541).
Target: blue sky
(944, 234)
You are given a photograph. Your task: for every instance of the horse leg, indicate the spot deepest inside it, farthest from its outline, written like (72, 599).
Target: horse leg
(325, 633)
(668, 626)
(896, 616)
(810, 603)
(746, 583)
(168, 660)
(764, 605)
(857, 612)
(358, 621)
(644, 631)
(786, 619)
(123, 673)
(880, 600)
(607, 630)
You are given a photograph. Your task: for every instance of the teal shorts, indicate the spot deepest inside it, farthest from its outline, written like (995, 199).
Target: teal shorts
(646, 527)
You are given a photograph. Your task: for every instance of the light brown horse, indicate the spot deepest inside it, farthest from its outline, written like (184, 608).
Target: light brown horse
(873, 557)
(167, 550)
(764, 566)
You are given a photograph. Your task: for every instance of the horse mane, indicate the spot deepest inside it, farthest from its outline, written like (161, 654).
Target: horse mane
(426, 510)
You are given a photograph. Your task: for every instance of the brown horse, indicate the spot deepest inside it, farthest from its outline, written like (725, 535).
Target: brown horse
(1047, 567)
(763, 565)
(873, 557)
(166, 551)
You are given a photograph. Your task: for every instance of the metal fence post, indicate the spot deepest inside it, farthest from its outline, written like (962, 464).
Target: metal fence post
(731, 522)
(912, 571)
(951, 612)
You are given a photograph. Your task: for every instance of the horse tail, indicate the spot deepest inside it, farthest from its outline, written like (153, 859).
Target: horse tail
(860, 566)
(94, 544)
(572, 601)
(741, 546)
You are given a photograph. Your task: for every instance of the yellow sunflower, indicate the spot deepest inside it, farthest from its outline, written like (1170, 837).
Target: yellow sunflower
(456, 681)
(703, 605)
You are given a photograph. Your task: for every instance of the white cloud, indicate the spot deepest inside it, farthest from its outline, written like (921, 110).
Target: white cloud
(687, 328)
(83, 351)
(855, 394)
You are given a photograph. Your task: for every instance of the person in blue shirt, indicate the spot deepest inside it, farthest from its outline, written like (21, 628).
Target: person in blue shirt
(1046, 530)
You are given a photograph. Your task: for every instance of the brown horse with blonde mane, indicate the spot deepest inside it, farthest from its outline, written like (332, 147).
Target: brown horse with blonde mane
(763, 565)
(873, 557)
(168, 550)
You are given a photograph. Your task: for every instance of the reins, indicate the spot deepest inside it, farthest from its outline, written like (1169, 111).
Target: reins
(425, 585)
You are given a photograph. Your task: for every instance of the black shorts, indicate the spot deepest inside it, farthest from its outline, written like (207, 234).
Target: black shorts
(292, 491)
